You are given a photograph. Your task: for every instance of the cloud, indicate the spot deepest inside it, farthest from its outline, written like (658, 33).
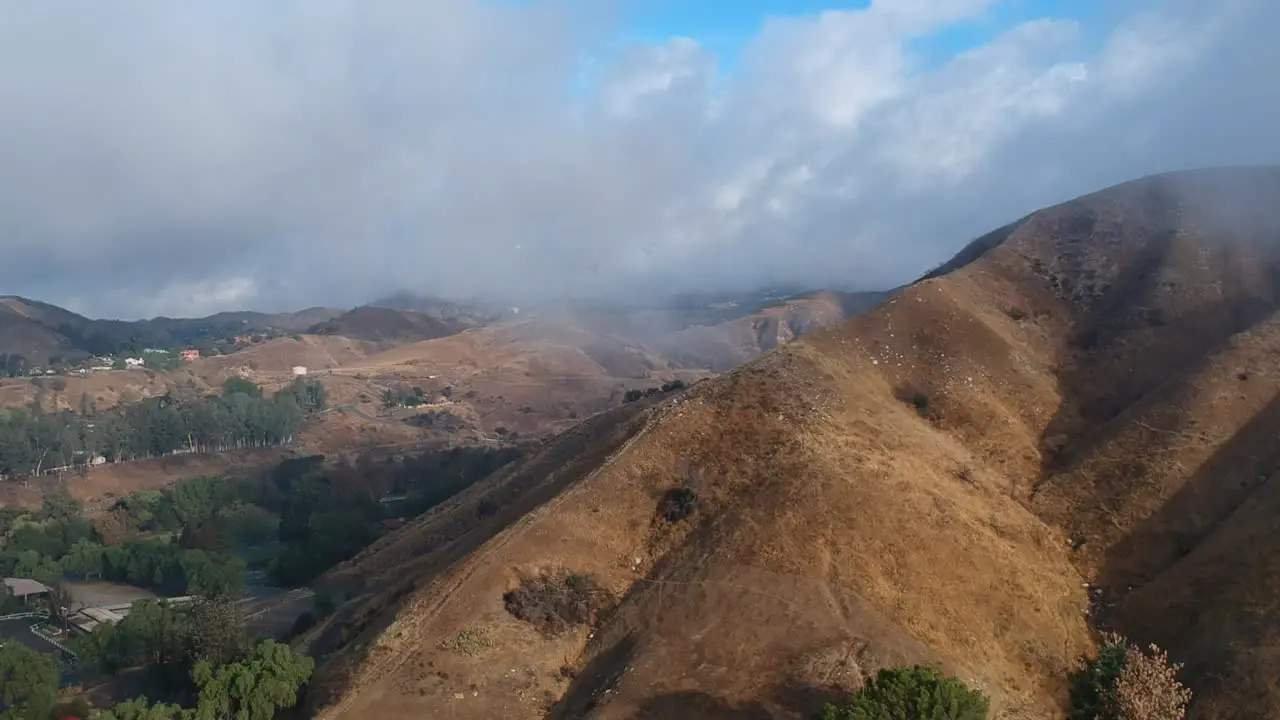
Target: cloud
(189, 157)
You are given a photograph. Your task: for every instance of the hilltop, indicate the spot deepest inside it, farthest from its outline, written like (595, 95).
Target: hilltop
(1069, 426)
(40, 332)
(387, 325)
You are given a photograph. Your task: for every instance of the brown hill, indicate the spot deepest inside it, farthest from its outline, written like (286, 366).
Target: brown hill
(728, 344)
(387, 325)
(39, 331)
(1088, 396)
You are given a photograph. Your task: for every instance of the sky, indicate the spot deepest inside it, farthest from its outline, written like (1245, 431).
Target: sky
(187, 158)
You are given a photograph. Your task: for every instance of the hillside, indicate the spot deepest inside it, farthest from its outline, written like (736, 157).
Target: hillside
(1087, 397)
(38, 331)
(387, 325)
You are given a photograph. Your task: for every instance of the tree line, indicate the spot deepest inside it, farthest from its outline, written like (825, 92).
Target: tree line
(199, 664)
(59, 542)
(241, 416)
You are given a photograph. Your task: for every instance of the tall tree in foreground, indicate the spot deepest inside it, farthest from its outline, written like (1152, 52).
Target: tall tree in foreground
(266, 680)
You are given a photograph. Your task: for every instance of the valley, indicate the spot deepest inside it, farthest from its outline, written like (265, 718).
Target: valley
(1066, 430)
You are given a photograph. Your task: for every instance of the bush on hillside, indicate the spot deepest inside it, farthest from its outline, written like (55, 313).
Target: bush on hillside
(1127, 683)
(678, 504)
(915, 692)
(554, 603)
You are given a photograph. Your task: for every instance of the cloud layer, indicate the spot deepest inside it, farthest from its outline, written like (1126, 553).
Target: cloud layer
(182, 158)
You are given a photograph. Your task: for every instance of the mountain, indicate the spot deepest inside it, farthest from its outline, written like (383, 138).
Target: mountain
(1071, 426)
(39, 331)
(468, 313)
(387, 325)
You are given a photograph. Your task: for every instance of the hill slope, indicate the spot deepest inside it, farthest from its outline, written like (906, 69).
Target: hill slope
(907, 486)
(387, 325)
(37, 330)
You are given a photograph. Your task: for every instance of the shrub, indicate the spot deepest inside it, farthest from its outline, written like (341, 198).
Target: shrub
(1126, 683)
(554, 603)
(1017, 314)
(920, 402)
(1148, 688)
(1096, 679)
(678, 504)
(915, 692)
(468, 641)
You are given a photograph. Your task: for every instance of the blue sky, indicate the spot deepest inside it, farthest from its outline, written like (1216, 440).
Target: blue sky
(726, 26)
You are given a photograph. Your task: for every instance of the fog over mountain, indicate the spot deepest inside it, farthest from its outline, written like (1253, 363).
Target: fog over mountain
(185, 158)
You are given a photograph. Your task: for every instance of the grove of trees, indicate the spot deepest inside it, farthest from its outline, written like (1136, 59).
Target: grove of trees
(59, 542)
(240, 417)
(199, 660)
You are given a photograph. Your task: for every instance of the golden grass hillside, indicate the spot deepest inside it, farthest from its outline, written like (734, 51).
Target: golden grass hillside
(1074, 421)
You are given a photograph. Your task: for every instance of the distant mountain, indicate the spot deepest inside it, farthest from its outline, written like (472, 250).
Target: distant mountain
(389, 325)
(40, 332)
(468, 313)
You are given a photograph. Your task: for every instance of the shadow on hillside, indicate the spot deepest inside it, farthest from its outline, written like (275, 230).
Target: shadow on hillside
(594, 682)
(1208, 603)
(1212, 493)
(1110, 377)
(696, 705)
(1210, 496)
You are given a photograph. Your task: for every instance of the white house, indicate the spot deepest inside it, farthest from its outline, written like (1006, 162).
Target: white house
(133, 362)
(299, 370)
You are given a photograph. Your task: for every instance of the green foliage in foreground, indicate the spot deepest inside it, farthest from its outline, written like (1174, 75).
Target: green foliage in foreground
(28, 683)
(1090, 685)
(252, 688)
(912, 693)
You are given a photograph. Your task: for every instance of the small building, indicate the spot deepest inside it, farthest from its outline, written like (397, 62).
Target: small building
(133, 362)
(89, 619)
(25, 588)
(299, 370)
(190, 354)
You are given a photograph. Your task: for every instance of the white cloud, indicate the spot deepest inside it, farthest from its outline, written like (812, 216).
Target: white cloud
(311, 151)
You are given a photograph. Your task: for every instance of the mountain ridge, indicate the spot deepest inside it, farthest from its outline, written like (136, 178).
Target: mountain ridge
(955, 476)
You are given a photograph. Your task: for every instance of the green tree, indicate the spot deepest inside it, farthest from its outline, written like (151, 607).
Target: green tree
(266, 680)
(912, 693)
(59, 505)
(28, 683)
(217, 630)
(85, 558)
(245, 386)
(213, 574)
(139, 709)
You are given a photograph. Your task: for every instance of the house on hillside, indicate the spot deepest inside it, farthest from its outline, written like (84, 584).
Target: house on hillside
(190, 354)
(133, 362)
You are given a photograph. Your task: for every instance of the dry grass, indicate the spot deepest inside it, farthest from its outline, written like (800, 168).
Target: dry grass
(1148, 688)
(832, 531)
(469, 641)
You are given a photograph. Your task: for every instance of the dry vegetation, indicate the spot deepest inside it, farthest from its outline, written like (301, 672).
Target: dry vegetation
(1102, 459)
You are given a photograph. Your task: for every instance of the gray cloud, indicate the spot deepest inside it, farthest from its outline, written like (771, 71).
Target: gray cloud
(183, 158)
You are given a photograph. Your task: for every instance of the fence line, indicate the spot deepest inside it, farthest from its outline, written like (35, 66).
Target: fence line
(21, 615)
